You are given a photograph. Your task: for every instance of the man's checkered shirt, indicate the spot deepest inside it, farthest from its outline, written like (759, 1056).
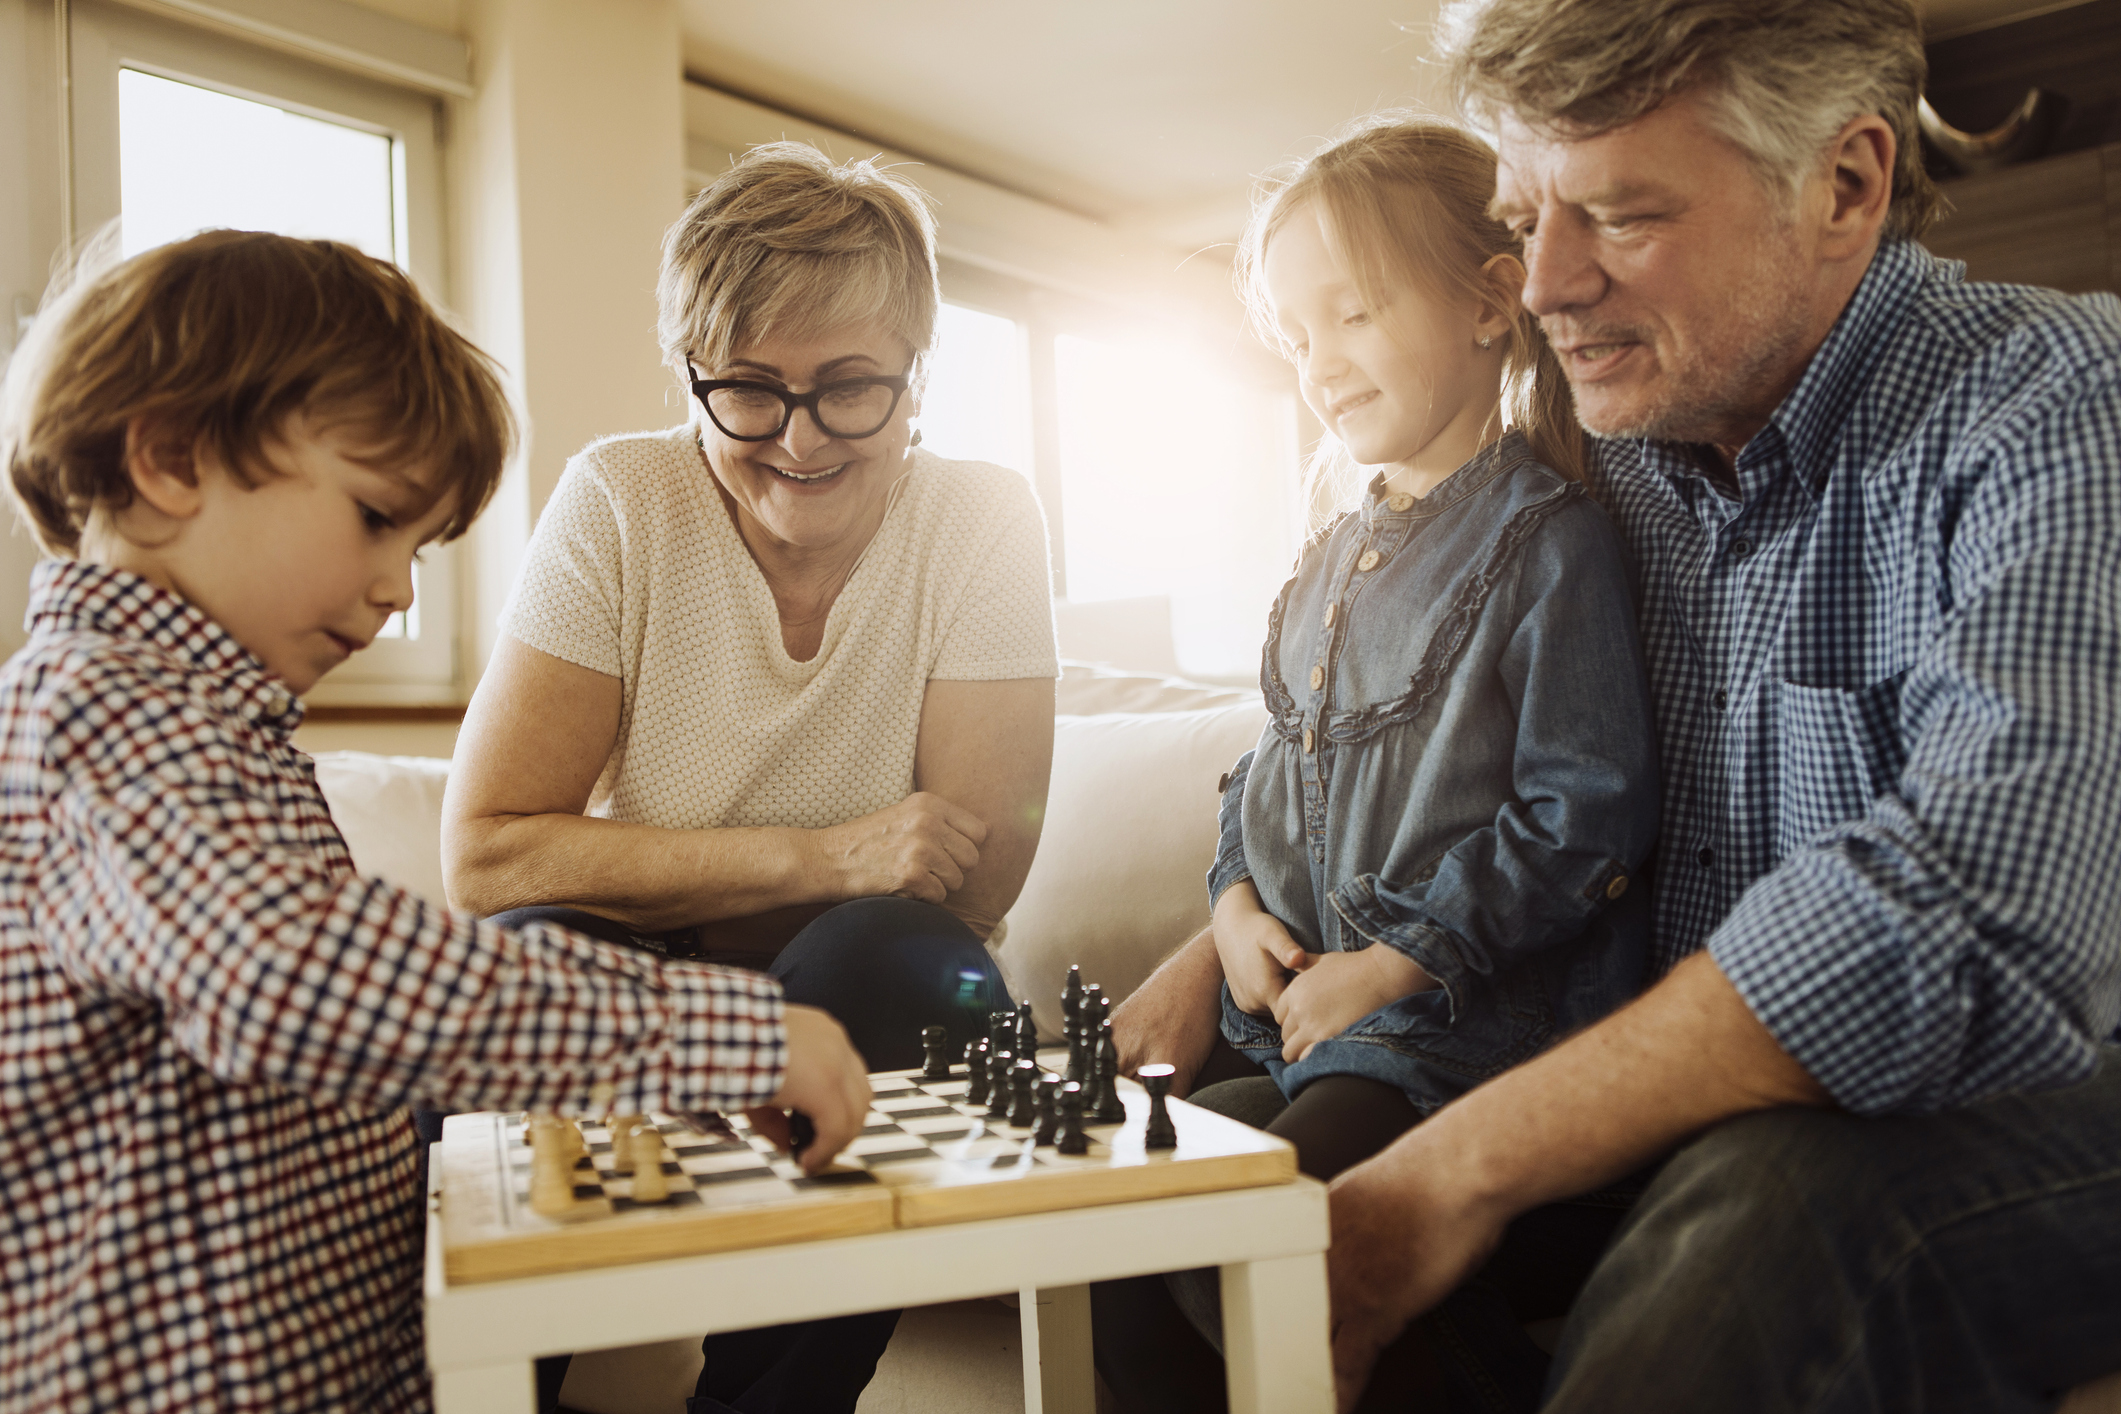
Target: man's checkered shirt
(1887, 675)
(209, 1026)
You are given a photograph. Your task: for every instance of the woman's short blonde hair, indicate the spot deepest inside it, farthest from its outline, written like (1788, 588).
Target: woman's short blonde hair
(788, 243)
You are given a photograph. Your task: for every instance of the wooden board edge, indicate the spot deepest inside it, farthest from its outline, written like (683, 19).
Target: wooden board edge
(616, 1245)
(1065, 1190)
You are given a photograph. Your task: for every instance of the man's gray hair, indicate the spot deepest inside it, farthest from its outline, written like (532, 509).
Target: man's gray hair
(788, 243)
(1780, 77)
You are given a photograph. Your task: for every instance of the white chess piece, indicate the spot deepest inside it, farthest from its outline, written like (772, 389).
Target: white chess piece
(645, 1147)
(622, 1128)
(551, 1165)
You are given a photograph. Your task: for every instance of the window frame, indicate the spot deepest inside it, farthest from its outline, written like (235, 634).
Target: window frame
(105, 38)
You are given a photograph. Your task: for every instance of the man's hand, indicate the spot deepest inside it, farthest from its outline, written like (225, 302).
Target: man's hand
(1337, 989)
(1174, 1017)
(825, 1080)
(1257, 953)
(1401, 1243)
(919, 848)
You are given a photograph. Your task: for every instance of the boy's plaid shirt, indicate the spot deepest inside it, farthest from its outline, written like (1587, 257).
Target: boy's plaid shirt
(1886, 667)
(209, 1026)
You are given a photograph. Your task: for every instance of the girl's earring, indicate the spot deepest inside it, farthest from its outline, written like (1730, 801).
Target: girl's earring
(1487, 341)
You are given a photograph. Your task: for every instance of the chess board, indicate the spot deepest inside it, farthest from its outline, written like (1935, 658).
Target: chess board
(924, 1158)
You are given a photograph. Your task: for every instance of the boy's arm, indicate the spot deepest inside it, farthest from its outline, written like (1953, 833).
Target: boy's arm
(272, 965)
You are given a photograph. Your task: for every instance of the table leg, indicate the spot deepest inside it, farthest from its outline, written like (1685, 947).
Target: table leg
(1059, 1377)
(507, 1388)
(1276, 1339)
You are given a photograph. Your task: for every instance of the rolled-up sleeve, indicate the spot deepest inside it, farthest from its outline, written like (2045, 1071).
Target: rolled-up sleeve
(1230, 866)
(1962, 937)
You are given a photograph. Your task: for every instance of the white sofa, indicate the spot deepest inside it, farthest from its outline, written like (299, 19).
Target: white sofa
(1120, 880)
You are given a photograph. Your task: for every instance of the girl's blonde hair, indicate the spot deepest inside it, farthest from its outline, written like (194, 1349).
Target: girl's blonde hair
(1404, 201)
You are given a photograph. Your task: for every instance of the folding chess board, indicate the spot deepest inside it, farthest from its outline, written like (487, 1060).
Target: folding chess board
(925, 1157)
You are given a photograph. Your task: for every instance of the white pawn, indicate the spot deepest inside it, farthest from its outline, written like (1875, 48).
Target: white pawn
(622, 1142)
(645, 1148)
(551, 1165)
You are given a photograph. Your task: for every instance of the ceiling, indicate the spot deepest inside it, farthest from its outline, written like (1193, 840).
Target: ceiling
(1151, 114)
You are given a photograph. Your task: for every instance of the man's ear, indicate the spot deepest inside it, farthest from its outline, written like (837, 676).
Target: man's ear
(1859, 171)
(163, 469)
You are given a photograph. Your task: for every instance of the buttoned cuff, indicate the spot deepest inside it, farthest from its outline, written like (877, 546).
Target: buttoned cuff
(1440, 952)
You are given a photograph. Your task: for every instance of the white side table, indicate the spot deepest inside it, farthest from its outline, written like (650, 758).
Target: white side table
(1270, 1243)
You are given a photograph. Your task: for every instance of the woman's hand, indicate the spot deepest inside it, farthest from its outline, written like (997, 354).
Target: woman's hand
(1337, 989)
(1257, 953)
(919, 848)
(825, 1080)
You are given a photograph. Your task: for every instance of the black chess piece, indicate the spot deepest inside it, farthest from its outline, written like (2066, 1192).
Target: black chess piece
(935, 1053)
(1049, 1088)
(1156, 1079)
(1001, 1025)
(1071, 1139)
(1023, 1094)
(1026, 1031)
(1106, 1107)
(1000, 1063)
(976, 1071)
(1072, 996)
(1080, 1043)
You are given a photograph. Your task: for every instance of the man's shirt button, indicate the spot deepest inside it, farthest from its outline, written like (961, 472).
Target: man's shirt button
(1741, 547)
(1722, 699)
(1707, 857)
(1370, 560)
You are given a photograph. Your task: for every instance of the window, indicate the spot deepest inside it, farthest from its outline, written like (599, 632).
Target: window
(178, 131)
(977, 406)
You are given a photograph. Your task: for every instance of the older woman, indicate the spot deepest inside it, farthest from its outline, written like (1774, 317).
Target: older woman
(775, 687)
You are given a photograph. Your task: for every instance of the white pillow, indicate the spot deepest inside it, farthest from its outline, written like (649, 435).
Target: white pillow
(389, 808)
(1121, 876)
(1088, 689)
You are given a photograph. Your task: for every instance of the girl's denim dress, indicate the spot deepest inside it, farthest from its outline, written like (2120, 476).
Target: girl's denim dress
(1459, 764)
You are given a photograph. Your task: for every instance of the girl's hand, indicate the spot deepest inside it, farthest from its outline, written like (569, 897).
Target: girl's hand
(1339, 989)
(1257, 953)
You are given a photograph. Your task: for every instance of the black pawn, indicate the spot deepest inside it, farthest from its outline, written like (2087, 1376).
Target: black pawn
(1023, 1096)
(1071, 1139)
(976, 1071)
(1105, 1105)
(1081, 1044)
(1049, 1089)
(1000, 1026)
(935, 1053)
(1026, 1031)
(1156, 1079)
(1000, 1064)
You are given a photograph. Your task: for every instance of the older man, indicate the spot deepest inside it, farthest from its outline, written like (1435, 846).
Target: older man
(1877, 518)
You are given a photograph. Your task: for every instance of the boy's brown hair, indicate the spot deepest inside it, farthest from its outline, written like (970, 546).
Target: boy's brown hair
(214, 342)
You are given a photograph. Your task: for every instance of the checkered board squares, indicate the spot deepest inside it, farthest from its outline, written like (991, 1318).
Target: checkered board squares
(924, 1158)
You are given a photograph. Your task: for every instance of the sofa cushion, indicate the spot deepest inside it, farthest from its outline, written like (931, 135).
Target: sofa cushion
(1087, 689)
(1121, 873)
(389, 808)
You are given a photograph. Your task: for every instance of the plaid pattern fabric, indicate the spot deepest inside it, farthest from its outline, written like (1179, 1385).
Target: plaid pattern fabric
(209, 1026)
(1887, 673)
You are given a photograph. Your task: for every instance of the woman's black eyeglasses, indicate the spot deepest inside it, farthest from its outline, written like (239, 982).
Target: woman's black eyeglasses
(850, 408)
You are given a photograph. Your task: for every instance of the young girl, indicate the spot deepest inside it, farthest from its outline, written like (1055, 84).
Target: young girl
(1424, 871)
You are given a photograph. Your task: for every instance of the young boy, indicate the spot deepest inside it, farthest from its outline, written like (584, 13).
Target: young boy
(210, 1025)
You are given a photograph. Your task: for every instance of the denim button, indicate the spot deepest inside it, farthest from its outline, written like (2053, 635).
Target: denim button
(1740, 548)
(1331, 610)
(1707, 857)
(1309, 741)
(1399, 502)
(1318, 677)
(1618, 887)
(1223, 785)
(1370, 560)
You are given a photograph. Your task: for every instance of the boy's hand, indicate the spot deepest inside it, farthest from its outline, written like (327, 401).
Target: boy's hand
(1338, 989)
(1257, 952)
(825, 1080)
